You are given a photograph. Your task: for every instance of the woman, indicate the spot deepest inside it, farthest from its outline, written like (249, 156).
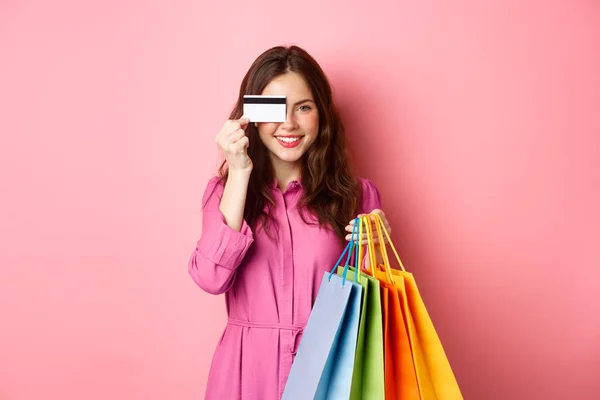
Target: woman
(274, 220)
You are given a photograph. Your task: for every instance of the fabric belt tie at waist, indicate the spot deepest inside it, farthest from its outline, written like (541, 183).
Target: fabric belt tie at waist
(296, 329)
(264, 325)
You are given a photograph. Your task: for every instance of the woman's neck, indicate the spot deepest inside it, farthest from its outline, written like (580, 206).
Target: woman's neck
(285, 173)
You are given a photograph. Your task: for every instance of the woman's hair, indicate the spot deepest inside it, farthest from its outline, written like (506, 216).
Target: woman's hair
(331, 189)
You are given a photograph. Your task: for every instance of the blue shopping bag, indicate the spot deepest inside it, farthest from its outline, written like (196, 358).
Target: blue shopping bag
(324, 363)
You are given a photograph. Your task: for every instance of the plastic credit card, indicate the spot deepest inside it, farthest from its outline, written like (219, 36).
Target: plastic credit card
(265, 108)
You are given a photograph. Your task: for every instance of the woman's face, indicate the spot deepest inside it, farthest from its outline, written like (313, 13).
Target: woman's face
(288, 141)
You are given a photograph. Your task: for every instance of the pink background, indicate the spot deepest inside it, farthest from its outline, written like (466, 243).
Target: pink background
(479, 122)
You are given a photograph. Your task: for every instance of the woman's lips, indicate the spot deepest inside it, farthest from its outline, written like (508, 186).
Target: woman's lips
(289, 141)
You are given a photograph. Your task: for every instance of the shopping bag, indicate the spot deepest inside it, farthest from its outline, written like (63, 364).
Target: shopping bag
(368, 380)
(324, 363)
(368, 377)
(400, 375)
(435, 378)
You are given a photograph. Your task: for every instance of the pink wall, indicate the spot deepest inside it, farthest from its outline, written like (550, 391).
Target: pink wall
(479, 122)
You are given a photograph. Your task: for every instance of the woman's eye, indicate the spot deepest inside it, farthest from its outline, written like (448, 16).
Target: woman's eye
(304, 108)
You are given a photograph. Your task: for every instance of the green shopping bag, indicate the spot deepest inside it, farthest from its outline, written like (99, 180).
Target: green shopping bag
(368, 375)
(368, 378)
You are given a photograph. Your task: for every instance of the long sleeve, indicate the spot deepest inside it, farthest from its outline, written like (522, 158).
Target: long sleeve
(220, 249)
(371, 199)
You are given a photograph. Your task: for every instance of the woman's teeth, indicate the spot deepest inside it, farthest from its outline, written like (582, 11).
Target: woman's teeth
(288, 139)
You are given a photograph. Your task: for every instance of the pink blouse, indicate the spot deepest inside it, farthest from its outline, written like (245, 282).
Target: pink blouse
(270, 287)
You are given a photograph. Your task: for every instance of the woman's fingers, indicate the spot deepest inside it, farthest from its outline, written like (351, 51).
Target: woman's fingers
(365, 242)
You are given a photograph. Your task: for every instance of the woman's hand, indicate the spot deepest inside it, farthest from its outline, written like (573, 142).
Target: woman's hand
(233, 142)
(375, 235)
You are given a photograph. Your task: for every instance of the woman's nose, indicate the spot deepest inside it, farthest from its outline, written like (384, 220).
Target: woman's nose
(290, 121)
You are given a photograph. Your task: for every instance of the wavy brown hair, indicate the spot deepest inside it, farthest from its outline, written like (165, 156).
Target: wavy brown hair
(331, 188)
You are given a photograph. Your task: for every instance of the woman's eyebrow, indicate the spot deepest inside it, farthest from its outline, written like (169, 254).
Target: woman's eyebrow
(302, 101)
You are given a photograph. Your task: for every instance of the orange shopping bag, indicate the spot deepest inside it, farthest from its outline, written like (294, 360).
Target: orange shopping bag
(400, 375)
(435, 378)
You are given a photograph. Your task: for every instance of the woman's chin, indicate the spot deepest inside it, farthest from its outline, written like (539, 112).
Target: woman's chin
(289, 155)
